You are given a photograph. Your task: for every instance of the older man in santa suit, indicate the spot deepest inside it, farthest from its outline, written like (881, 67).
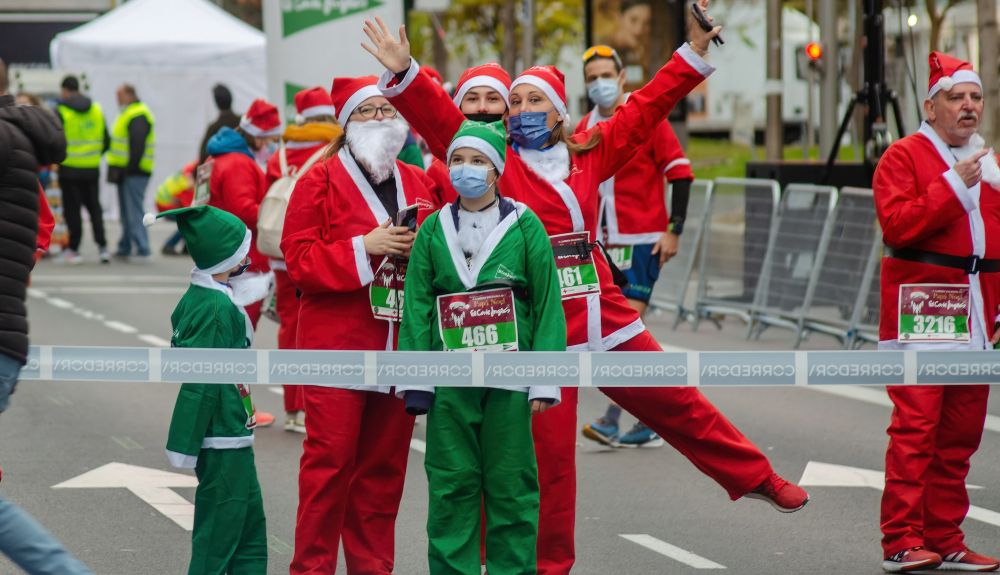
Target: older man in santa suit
(937, 193)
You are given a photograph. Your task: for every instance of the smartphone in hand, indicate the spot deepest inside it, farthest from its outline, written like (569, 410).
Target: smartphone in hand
(407, 217)
(702, 21)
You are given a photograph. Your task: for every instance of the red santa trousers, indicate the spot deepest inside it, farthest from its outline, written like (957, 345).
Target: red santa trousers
(682, 416)
(350, 481)
(932, 435)
(288, 321)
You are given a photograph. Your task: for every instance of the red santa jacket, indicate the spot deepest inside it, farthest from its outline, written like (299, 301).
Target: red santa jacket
(46, 223)
(596, 323)
(446, 194)
(923, 204)
(237, 186)
(332, 209)
(635, 207)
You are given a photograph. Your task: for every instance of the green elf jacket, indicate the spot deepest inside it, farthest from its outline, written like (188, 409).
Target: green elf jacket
(208, 416)
(517, 253)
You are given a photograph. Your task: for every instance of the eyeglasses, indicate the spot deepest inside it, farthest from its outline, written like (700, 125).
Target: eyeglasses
(369, 111)
(601, 51)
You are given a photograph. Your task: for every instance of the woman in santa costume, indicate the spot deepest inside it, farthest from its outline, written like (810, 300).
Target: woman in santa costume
(937, 193)
(558, 178)
(338, 233)
(302, 145)
(481, 278)
(481, 95)
(236, 185)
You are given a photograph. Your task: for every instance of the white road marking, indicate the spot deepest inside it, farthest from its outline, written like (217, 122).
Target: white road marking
(418, 445)
(672, 551)
(60, 303)
(277, 390)
(119, 326)
(102, 278)
(154, 340)
(150, 485)
(99, 290)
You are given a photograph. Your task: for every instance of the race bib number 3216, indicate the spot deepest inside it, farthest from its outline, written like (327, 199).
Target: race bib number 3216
(933, 312)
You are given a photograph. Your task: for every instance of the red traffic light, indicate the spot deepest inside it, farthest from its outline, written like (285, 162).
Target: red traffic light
(814, 50)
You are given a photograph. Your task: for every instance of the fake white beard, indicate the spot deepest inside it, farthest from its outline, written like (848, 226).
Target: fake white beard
(375, 145)
(988, 163)
(552, 164)
(475, 227)
(250, 287)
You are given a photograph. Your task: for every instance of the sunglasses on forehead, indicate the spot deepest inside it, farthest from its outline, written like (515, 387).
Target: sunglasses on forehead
(601, 51)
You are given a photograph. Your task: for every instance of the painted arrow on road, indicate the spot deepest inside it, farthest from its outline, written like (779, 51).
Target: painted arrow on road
(819, 474)
(151, 485)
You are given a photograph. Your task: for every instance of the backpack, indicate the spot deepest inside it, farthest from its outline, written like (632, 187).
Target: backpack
(271, 216)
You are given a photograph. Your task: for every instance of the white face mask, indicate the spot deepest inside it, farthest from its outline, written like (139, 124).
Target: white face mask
(375, 144)
(604, 91)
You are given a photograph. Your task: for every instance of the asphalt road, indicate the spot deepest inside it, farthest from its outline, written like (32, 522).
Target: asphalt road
(675, 516)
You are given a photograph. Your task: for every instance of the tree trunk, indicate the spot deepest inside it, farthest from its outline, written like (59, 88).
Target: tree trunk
(438, 48)
(989, 60)
(935, 32)
(508, 19)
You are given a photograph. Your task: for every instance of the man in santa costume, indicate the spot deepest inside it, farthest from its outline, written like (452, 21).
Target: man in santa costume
(937, 193)
(639, 235)
(302, 145)
(339, 233)
(481, 94)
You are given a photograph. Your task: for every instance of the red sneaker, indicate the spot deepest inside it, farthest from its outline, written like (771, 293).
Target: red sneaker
(912, 559)
(264, 419)
(967, 560)
(783, 495)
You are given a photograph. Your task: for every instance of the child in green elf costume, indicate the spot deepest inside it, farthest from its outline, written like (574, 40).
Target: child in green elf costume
(211, 429)
(481, 277)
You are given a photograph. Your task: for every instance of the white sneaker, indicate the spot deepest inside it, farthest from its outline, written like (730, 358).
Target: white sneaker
(300, 422)
(72, 258)
(290, 421)
(105, 256)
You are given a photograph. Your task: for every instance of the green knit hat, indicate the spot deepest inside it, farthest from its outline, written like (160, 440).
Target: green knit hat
(490, 139)
(217, 240)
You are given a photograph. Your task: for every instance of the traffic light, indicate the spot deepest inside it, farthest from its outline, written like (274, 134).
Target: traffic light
(814, 50)
(809, 57)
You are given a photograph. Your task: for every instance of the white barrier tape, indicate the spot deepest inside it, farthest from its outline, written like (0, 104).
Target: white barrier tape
(567, 369)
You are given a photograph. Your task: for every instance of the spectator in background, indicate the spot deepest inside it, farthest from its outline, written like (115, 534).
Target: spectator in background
(29, 136)
(27, 99)
(87, 139)
(227, 118)
(130, 164)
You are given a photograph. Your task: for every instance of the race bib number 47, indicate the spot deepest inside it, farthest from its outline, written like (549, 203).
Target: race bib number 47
(933, 312)
(478, 321)
(577, 272)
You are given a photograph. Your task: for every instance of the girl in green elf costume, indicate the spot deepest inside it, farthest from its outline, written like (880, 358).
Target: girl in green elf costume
(212, 425)
(481, 277)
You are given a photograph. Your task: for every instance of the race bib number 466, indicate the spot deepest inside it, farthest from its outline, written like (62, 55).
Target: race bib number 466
(577, 272)
(933, 312)
(478, 321)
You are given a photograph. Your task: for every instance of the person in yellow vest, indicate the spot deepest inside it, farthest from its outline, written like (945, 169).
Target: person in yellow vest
(130, 163)
(87, 139)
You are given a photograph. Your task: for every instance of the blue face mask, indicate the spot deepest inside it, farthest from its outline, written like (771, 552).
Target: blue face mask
(240, 270)
(530, 129)
(604, 91)
(469, 181)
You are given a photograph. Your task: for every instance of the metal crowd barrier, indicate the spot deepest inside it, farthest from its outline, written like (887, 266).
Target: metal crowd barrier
(566, 369)
(670, 292)
(735, 250)
(801, 236)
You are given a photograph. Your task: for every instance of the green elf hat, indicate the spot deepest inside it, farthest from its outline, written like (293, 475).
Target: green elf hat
(490, 139)
(217, 240)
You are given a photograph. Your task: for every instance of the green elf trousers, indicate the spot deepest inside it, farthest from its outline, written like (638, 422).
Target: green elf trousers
(480, 451)
(229, 531)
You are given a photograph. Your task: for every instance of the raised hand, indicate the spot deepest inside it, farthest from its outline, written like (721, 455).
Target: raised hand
(392, 53)
(969, 169)
(700, 39)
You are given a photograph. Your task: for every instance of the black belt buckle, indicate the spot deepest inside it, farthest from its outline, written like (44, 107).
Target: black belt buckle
(973, 266)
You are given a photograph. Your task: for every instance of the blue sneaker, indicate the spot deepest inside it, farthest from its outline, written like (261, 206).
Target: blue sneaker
(602, 431)
(640, 436)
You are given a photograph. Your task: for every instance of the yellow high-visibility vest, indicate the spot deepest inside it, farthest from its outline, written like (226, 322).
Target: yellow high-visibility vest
(118, 153)
(84, 136)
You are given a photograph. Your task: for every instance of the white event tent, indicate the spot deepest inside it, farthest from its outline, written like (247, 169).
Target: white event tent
(173, 52)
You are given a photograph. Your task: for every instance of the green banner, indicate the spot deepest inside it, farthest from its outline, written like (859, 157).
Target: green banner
(299, 15)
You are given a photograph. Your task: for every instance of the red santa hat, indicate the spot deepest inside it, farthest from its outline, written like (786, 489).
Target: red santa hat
(550, 81)
(490, 75)
(261, 120)
(314, 102)
(433, 74)
(946, 71)
(348, 93)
